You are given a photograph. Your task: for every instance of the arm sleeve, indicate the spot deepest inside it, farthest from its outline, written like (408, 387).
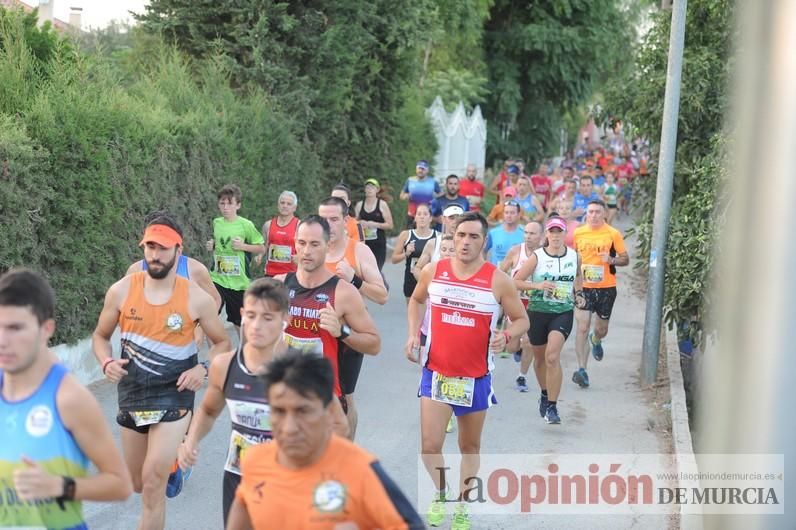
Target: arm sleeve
(386, 505)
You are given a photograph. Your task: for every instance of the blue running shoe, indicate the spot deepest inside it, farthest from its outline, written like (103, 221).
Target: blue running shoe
(543, 406)
(581, 378)
(551, 416)
(596, 348)
(522, 384)
(175, 482)
(517, 356)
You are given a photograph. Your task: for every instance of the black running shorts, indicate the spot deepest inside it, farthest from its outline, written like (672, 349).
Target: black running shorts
(544, 323)
(599, 300)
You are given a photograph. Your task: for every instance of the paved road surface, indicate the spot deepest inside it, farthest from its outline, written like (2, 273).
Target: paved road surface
(611, 417)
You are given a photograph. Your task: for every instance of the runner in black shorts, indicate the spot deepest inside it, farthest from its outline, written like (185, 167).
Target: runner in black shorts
(554, 279)
(410, 244)
(601, 248)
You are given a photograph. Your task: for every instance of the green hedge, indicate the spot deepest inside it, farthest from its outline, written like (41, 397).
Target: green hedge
(84, 156)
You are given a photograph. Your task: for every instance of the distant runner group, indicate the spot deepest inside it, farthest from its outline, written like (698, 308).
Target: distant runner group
(476, 286)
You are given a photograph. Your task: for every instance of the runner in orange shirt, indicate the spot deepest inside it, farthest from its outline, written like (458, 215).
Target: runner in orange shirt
(602, 249)
(309, 477)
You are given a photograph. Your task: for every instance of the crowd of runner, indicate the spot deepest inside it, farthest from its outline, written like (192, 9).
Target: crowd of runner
(518, 280)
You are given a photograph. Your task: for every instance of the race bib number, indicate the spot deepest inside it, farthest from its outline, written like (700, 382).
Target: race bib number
(370, 233)
(562, 293)
(452, 390)
(228, 265)
(593, 273)
(305, 345)
(238, 445)
(280, 253)
(147, 417)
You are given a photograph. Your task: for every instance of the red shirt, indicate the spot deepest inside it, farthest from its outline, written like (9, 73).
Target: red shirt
(463, 314)
(281, 247)
(473, 187)
(541, 186)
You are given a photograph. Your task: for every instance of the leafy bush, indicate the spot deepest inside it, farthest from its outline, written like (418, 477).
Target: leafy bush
(83, 157)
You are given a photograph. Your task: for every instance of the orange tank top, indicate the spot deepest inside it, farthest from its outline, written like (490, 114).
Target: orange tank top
(166, 328)
(350, 257)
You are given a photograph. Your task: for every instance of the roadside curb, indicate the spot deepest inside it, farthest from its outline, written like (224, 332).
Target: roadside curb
(681, 430)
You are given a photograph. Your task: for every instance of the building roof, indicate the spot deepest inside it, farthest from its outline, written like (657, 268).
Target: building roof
(57, 23)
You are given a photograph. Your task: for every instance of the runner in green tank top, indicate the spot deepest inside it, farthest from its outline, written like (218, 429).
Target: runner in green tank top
(555, 284)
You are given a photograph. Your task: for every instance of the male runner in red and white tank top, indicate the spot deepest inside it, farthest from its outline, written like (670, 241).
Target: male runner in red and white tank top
(466, 294)
(353, 262)
(320, 319)
(279, 234)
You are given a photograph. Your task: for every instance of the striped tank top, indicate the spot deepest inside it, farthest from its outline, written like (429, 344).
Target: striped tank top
(159, 341)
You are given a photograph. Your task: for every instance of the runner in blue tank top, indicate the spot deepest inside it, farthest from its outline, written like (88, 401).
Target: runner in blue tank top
(52, 427)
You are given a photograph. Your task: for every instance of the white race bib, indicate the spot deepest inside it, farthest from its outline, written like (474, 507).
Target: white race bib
(228, 265)
(280, 253)
(238, 445)
(593, 273)
(370, 233)
(147, 417)
(452, 390)
(562, 293)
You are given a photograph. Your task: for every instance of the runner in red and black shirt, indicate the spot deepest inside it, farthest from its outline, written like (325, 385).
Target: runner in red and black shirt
(325, 313)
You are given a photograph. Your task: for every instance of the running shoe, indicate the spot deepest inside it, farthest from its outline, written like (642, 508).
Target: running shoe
(551, 416)
(175, 482)
(461, 519)
(436, 512)
(522, 384)
(505, 355)
(517, 356)
(449, 428)
(596, 348)
(581, 378)
(542, 405)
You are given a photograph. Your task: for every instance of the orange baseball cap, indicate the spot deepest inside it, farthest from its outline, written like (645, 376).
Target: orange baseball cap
(163, 235)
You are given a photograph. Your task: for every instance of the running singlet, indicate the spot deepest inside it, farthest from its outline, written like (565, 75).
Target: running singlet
(463, 314)
(590, 243)
(471, 188)
(159, 341)
(32, 427)
(346, 486)
(372, 234)
(560, 270)
(182, 267)
(248, 410)
(349, 256)
(281, 247)
(304, 332)
(229, 265)
(521, 259)
(610, 194)
(420, 244)
(527, 204)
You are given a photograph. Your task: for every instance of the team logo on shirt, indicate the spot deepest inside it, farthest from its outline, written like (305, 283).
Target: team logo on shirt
(321, 298)
(39, 421)
(457, 319)
(174, 322)
(329, 496)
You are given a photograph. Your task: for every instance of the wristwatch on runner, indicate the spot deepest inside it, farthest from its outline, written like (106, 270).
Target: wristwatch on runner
(345, 331)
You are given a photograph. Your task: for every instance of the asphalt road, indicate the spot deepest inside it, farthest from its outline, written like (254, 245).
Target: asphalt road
(613, 416)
